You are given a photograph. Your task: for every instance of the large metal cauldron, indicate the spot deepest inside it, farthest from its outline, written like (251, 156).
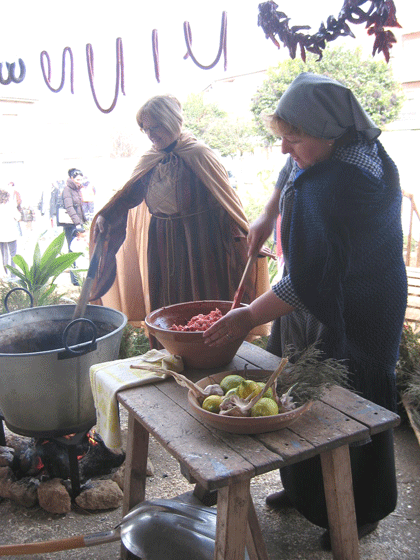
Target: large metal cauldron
(44, 382)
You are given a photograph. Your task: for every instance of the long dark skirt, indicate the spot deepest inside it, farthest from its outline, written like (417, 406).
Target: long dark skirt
(372, 464)
(374, 483)
(199, 256)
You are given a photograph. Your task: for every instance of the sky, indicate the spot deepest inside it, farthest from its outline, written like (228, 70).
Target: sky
(53, 25)
(32, 26)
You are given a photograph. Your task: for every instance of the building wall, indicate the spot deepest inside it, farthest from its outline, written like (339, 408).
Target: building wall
(405, 57)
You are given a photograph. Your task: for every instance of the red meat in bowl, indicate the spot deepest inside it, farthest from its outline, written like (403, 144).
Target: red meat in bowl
(190, 345)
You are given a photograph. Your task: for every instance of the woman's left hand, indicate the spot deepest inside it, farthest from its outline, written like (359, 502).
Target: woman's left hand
(235, 324)
(100, 226)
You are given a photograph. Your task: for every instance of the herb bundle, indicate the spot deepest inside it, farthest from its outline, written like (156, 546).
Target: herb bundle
(310, 374)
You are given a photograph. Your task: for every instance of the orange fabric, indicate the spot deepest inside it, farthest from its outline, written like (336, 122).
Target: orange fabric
(129, 293)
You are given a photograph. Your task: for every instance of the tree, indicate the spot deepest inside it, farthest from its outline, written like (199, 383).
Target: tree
(198, 115)
(123, 146)
(370, 80)
(212, 125)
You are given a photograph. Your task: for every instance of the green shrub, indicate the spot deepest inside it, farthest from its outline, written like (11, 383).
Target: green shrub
(39, 277)
(134, 342)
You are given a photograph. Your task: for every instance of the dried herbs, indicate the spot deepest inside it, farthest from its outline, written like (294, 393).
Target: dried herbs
(310, 374)
(408, 372)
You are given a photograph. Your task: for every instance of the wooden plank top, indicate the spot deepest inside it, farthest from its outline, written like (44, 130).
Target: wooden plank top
(214, 458)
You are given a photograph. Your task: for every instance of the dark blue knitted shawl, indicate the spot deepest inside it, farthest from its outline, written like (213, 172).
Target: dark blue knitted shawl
(346, 265)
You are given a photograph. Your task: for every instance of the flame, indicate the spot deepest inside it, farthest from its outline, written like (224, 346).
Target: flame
(91, 437)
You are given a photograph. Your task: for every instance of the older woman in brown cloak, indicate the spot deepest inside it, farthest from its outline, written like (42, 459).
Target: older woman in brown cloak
(176, 231)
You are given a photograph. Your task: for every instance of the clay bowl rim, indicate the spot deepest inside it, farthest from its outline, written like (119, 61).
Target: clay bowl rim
(244, 425)
(193, 335)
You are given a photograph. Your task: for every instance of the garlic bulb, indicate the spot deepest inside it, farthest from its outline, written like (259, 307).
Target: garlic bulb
(213, 390)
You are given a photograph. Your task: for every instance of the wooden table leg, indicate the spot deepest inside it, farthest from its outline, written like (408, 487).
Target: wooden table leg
(232, 518)
(135, 464)
(255, 544)
(338, 487)
(135, 470)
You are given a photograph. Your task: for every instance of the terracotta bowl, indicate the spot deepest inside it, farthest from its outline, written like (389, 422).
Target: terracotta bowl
(246, 425)
(190, 345)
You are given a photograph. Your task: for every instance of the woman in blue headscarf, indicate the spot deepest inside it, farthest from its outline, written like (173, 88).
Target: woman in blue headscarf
(344, 285)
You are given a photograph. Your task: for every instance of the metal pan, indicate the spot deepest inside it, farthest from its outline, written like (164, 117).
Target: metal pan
(189, 532)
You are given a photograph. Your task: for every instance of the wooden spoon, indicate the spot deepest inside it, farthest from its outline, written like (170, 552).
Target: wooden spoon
(87, 284)
(80, 309)
(241, 288)
(263, 252)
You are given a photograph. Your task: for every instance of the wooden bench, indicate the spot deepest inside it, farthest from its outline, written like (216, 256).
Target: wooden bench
(412, 314)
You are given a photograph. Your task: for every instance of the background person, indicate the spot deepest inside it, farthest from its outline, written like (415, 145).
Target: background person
(88, 193)
(16, 199)
(180, 225)
(9, 230)
(344, 283)
(72, 202)
(55, 200)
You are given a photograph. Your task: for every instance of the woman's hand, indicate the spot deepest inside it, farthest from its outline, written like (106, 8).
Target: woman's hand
(239, 322)
(233, 325)
(100, 226)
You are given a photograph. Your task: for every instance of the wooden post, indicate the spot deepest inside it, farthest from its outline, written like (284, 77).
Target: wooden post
(410, 234)
(255, 542)
(232, 521)
(338, 487)
(135, 464)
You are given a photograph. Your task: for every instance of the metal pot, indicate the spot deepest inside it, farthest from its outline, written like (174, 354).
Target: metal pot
(44, 382)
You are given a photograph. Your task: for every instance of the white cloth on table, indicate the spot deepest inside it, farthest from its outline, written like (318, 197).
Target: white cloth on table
(110, 377)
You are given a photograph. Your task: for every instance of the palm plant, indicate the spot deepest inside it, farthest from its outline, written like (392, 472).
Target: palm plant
(39, 277)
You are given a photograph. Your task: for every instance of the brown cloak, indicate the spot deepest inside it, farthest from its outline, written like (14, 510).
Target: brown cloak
(122, 281)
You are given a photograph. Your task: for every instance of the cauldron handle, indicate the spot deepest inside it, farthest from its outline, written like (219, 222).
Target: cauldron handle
(87, 347)
(14, 290)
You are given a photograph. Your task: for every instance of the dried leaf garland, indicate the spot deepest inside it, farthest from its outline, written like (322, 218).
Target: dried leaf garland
(380, 14)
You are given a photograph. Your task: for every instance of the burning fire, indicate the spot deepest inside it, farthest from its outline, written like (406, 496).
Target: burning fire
(53, 458)
(91, 437)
